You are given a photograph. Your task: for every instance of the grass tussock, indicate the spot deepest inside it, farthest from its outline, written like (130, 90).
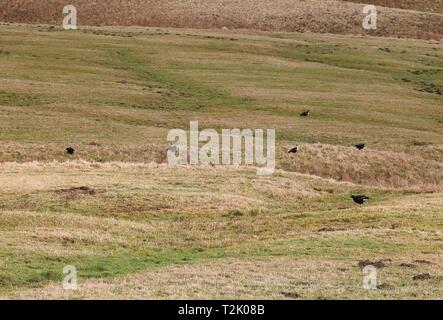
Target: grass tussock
(368, 166)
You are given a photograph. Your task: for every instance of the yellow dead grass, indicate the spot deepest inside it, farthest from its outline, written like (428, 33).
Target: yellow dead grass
(369, 166)
(47, 233)
(265, 278)
(212, 208)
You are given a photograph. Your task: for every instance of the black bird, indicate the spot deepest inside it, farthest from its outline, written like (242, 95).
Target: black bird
(360, 146)
(70, 150)
(293, 150)
(360, 199)
(305, 113)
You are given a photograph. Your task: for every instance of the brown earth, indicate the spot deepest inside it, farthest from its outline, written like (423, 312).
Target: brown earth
(74, 191)
(377, 264)
(329, 16)
(419, 5)
(423, 276)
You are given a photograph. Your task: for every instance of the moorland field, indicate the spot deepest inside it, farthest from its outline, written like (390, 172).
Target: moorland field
(136, 227)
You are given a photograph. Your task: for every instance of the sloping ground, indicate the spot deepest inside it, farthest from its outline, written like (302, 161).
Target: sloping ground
(369, 166)
(283, 15)
(258, 278)
(156, 231)
(419, 5)
(138, 230)
(372, 167)
(113, 94)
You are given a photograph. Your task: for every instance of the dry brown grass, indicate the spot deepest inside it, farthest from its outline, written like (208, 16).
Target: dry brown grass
(148, 230)
(48, 233)
(419, 5)
(262, 278)
(369, 166)
(91, 150)
(355, 93)
(284, 15)
(234, 235)
(422, 171)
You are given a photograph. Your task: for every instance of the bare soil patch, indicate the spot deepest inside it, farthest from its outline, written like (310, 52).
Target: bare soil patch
(423, 261)
(74, 191)
(329, 229)
(378, 264)
(408, 265)
(292, 295)
(385, 286)
(422, 276)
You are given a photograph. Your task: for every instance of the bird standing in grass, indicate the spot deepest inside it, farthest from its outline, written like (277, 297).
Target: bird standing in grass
(70, 150)
(305, 113)
(360, 199)
(293, 150)
(360, 146)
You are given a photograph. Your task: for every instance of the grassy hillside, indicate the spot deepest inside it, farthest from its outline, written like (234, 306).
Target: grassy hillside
(325, 16)
(125, 219)
(114, 95)
(154, 231)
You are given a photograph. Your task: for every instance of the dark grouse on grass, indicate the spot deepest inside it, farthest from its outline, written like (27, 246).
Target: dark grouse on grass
(360, 199)
(293, 150)
(305, 113)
